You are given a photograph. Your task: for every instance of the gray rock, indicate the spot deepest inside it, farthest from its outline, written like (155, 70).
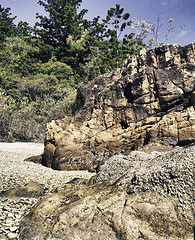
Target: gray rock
(128, 204)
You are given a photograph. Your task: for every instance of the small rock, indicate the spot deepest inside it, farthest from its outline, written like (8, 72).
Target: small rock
(13, 229)
(12, 235)
(3, 237)
(180, 200)
(9, 220)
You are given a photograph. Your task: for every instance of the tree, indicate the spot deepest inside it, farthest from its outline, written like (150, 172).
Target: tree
(63, 21)
(6, 23)
(22, 29)
(24, 55)
(109, 45)
(117, 20)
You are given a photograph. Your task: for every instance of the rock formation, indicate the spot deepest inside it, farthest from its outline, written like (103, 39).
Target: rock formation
(30, 190)
(150, 99)
(135, 194)
(133, 197)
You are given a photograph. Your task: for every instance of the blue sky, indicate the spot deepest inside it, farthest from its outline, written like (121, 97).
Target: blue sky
(182, 11)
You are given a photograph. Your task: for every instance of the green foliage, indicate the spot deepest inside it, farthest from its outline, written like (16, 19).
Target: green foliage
(16, 56)
(23, 55)
(33, 91)
(22, 29)
(30, 104)
(107, 44)
(6, 110)
(63, 20)
(6, 24)
(117, 20)
(140, 30)
(41, 67)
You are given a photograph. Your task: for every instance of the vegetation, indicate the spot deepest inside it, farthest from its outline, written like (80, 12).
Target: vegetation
(42, 66)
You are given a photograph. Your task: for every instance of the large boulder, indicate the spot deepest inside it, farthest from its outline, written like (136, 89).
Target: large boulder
(149, 197)
(150, 99)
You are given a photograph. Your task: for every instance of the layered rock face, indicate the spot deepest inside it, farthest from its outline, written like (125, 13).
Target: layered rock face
(151, 98)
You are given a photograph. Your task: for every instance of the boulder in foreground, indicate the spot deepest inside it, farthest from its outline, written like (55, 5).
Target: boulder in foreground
(148, 197)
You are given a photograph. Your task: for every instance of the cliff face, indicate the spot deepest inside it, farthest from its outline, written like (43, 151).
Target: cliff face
(152, 98)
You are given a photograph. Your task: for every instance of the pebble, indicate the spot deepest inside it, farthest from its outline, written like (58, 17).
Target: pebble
(2, 237)
(180, 200)
(13, 229)
(12, 235)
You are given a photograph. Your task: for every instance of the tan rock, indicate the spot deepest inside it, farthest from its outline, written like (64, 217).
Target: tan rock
(105, 212)
(150, 99)
(30, 190)
(48, 155)
(35, 159)
(133, 196)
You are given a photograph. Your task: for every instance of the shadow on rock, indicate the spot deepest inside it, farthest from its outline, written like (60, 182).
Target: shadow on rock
(31, 190)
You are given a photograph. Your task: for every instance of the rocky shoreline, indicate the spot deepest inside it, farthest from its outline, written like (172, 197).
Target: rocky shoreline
(168, 173)
(134, 195)
(16, 172)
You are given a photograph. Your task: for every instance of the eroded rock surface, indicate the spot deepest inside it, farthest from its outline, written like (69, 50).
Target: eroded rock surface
(149, 197)
(30, 190)
(150, 99)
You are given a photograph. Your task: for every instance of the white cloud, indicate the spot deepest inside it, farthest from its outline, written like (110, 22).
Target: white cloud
(181, 34)
(164, 3)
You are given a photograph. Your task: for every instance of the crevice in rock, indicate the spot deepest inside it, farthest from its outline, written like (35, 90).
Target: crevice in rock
(124, 124)
(187, 99)
(166, 106)
(184, 100)
(170, 105)
(159, 50)
(128, 93)
(183, 54)
(147, 138)
(146, 103)
(156, 92)
(185, 142)
(79, 103)
(119, 234)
